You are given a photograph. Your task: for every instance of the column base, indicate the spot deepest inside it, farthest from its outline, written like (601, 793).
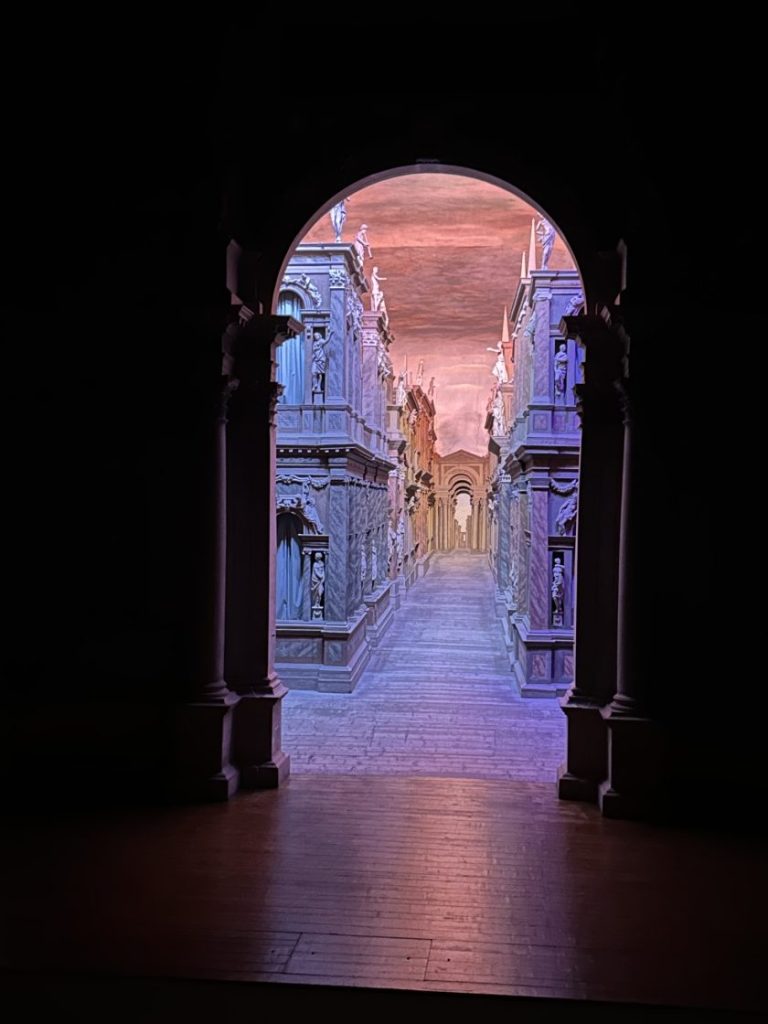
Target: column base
(574, 787)
(630, 806)
(586, 763)
(256, 741)
(269, 775)
(219, 787)
(202, 768)
(637, 761)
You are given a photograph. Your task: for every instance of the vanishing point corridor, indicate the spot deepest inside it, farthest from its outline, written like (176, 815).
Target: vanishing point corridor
(437, 698)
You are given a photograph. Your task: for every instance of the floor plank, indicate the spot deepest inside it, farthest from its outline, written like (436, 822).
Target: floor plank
(429, 884)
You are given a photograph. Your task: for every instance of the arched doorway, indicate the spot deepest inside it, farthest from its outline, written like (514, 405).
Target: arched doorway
(604, 338)
(355, 397)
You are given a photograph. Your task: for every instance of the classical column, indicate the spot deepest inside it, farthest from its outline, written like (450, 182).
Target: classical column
(635, 741)
(596, 558)
(251, 550)
(204, 724)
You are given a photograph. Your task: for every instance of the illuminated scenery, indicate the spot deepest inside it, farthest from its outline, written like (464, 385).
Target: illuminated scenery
(427, 484)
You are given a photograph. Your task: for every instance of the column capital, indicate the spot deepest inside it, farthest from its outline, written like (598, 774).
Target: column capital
(605, 340)
(249, 336)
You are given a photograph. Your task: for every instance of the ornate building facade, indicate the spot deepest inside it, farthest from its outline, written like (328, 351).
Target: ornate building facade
(412, 440)
(332, 588)
(355, 463)
(533, 499)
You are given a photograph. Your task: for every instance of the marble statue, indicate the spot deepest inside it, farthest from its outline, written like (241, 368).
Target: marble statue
(338, 215)
(310, 508)
(384, 363)
(420, 374)
(546, 235)
(530, 327)
(566, 517)
(361, 243)
(558, 592)
(305, 281)
(576, 302)
(561, 369)
(363, 562)
(499, 370)
(377, 295)
(499, 416)
(317, 584)
(319, 360)
(401, 387)
(374, 562)
(431, 389)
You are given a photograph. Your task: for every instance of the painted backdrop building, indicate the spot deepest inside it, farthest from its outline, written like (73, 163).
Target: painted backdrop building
(534, 443)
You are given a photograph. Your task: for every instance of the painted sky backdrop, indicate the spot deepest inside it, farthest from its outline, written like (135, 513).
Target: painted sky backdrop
(449, 248)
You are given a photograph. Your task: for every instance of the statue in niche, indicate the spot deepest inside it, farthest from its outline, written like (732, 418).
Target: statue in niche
(431, 389)
(310, 508)
(499, 416)
(374, 562)
(363, 562)
(401, 388)
(413, 417)
(317, 584)
(561, 369)
(319, 360)
(377, 295)
(499, 370)
(361, 243)
(338, 215)
(546, 235)
(558, 592)
(566, 517)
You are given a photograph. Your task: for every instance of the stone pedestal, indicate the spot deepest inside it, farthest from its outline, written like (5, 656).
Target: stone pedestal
(636, 765)
(586, 753)
(203, 745)
(256, 740)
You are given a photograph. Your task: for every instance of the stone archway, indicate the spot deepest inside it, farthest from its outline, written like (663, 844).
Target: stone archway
(463, 472)
(602, 702)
